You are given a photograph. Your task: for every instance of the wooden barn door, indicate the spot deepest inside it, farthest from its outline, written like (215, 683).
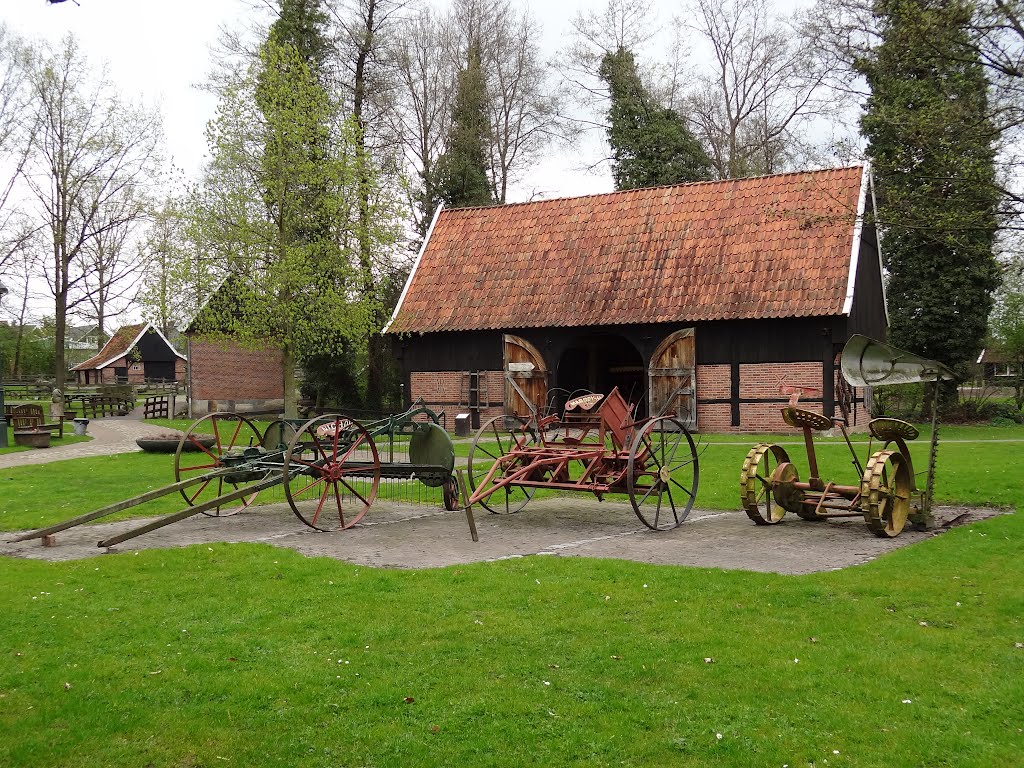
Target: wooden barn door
(526, 367)
(673, 375)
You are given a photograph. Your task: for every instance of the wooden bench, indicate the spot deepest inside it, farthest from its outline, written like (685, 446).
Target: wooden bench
(31, 416)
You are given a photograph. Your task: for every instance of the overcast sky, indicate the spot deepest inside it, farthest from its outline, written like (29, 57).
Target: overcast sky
(158, 50)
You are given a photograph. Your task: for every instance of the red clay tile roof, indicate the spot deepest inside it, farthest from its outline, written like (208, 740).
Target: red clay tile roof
(119, 343)
(774, 246)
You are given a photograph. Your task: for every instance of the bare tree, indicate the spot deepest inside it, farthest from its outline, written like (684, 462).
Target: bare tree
(16, 131)
(88, 169)
(425, 73)
(621, 25)
(764, 83)
(525, 109)
(110, 268)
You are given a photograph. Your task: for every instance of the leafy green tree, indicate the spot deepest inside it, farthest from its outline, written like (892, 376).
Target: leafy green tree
(933, 148)
(1007, 327)
(462, 169)
(651, 144)
(179, 275)
(275, 205)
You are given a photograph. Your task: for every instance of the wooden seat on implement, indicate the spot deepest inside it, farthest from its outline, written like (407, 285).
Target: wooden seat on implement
(798, 417)
(888, 429)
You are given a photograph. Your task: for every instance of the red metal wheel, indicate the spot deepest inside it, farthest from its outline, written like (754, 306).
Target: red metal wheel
(495, 440)
(662, 467)
(209, 445)
(451, 494)
(331, 473)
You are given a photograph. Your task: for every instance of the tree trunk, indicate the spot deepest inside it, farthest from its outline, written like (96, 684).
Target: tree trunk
(20, 338)
(374, 373)
(63, 261)
(291, 399)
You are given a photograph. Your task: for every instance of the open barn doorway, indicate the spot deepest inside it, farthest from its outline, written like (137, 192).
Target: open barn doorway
(598, 362)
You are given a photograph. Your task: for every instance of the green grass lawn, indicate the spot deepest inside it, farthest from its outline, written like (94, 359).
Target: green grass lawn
(250, 655)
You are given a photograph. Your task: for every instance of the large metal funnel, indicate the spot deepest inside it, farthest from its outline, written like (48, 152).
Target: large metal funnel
(869, 363)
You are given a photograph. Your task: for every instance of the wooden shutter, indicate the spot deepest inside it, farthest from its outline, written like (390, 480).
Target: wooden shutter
(673, 378)
(534, 383)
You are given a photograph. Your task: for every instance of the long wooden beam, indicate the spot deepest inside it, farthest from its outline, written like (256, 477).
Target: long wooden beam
(120, 505)
(268, 482)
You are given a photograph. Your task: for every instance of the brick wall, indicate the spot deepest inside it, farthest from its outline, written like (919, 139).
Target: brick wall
(108, 375)
(759, 382)
(225, 371)
(442, 391)
(762, 381)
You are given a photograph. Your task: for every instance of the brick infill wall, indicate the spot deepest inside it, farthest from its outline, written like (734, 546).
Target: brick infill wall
(443, 391)
(227, 371)
(759, 382)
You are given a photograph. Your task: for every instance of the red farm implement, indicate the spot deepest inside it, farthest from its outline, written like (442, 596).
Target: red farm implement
(594, 447)
(330, 468)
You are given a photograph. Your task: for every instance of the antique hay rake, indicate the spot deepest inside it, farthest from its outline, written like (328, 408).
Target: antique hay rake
(329, 466)
(602, 450)
(887, 494)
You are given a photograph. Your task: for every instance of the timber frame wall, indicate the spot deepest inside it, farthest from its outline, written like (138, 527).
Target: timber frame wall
(740, 365)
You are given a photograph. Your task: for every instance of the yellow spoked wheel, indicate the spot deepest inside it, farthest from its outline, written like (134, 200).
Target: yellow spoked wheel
(885, 493)
(766, 484)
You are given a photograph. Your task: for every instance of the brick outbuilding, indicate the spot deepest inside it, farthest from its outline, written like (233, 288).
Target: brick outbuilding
(135, 354)
(705, 299)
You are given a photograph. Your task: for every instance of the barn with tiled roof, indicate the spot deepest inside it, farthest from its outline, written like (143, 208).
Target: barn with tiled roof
(704, 299)
(136, 354)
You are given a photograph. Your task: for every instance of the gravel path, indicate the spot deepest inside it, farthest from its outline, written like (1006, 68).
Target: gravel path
(110, 435)
(397, 535)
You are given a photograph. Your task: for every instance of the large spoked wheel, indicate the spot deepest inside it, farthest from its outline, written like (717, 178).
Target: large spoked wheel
(491, 447)
(208, 446)
(662, 473)
(759, 482)
(332, 472)
(885, 493)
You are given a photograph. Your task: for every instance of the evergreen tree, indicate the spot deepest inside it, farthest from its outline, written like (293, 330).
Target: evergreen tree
(651, 144)
(295, 51)
(933, 147)
(461, 177)
(302, 25)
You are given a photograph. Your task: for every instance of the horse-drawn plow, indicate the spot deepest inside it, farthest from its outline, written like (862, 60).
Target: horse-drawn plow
(330, 469)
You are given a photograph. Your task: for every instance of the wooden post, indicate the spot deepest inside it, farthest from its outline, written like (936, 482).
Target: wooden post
(465, 502)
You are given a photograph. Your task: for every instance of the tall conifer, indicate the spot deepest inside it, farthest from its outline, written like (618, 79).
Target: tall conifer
(462, 169)
(932, 145)
(651, 144)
